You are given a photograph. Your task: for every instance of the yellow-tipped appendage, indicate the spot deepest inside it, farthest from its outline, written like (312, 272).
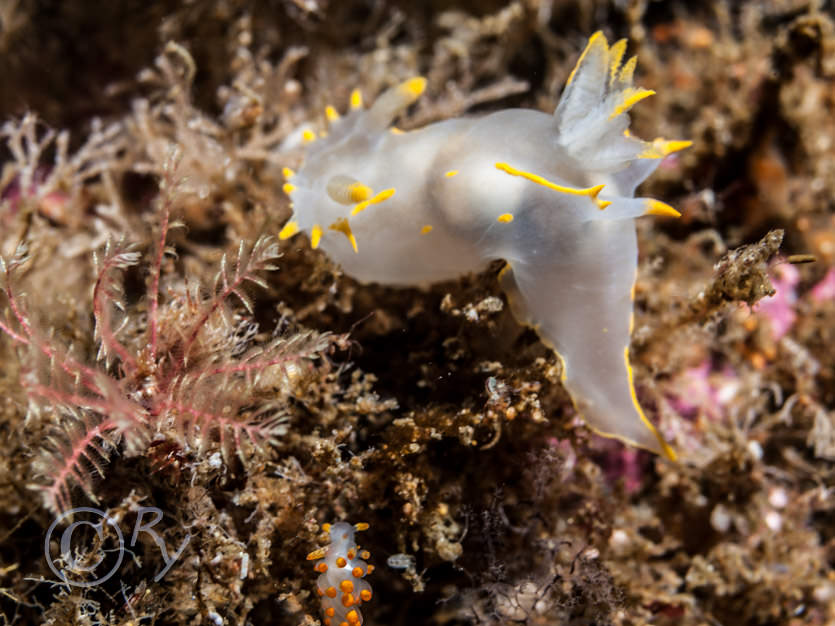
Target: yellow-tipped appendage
(620, 77)
(318, 553)
(413, 88)
(331, 114)
(315, 236)
(656, 207)
(595, 40)
(661, 147)
(615, 56)
(383, 195)
(341, 225)
(628, 71)
(628, 98)
(290, 229)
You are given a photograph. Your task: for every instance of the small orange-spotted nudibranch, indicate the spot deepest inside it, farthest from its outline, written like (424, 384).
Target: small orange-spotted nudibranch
(553, 195)
(342, 568)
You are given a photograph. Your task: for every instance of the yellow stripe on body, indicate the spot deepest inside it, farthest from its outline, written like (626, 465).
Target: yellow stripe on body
(592, 192)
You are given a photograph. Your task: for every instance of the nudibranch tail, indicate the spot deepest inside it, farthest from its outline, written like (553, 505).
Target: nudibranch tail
(581, 306)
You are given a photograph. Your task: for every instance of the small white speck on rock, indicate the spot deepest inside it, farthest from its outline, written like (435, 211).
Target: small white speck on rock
(720, 518)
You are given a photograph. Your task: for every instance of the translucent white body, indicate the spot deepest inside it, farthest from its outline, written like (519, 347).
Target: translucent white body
(340, 584)
(550, 194)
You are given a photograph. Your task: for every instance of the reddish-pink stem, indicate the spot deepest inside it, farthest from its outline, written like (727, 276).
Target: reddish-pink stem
(71, 461)
(74, 399)
(157, 270)
(13, 334)
(70, 366)
(21, 318)
(216, 302)
(220, 421)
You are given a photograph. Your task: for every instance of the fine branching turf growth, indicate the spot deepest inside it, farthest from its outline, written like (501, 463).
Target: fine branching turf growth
(180, 364)
(153, 359)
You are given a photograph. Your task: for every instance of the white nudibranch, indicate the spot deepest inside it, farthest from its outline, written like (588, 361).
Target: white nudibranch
(552, 195)
(342, 567)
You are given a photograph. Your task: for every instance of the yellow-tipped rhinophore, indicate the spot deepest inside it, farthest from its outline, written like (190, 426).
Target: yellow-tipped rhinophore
(347, 190)
(359, 192)
(318, 553)
(505, 218)
(356, 99)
